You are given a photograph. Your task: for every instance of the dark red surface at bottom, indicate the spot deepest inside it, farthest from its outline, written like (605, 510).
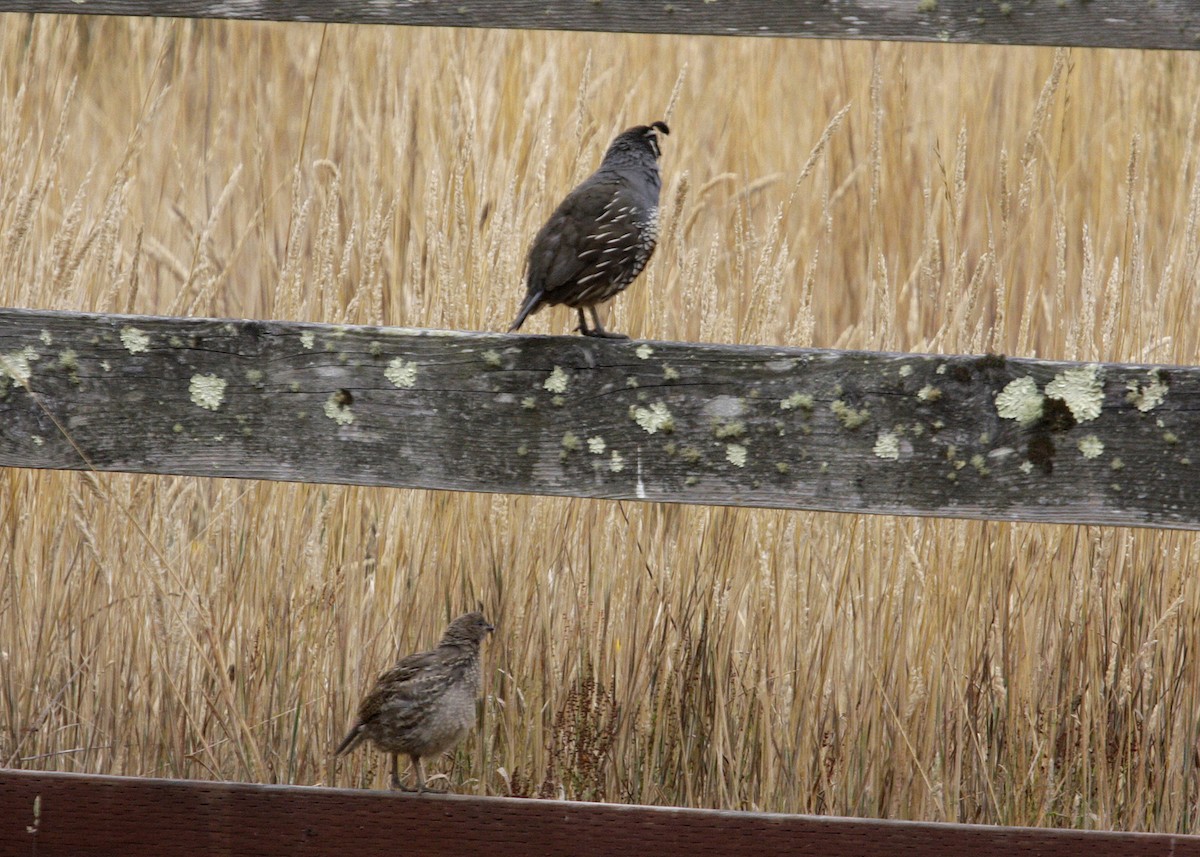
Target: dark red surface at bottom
(91, 815)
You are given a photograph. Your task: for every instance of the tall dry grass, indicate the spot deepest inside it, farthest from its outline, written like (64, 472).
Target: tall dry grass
(861, 195)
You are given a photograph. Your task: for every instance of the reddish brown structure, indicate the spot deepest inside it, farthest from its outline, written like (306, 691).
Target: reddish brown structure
(79, 814)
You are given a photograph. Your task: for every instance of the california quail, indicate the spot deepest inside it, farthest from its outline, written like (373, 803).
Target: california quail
(425, 704)
(601, 236)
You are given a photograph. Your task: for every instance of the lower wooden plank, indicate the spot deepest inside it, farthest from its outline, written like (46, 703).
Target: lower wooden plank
(51, 814)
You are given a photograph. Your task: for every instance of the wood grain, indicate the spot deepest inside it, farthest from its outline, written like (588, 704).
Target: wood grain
(571, 416)
(1162, 24)
(96, 815)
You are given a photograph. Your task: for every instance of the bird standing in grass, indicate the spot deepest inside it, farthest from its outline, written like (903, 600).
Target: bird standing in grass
(425, 704)
(601, 236)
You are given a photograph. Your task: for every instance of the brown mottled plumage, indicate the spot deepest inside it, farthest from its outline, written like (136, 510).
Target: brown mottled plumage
(425, 704)
(601, 235)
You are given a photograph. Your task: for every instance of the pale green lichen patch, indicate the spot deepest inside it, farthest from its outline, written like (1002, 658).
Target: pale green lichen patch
(529, 403)
(1026, 467)
(1117, 464)
(1080, 389)
(1091, 446)
(207, 391)
(850, 418)
(558, 381)
(46, 338)
(491, 357)
(803, 401)
(644, 352)
(401, 372)
(68, 360)
(596, 445)
(887, 445)
(38, 440)
(980, 464)
(654, 419)
(571, 442)
(1149, 396)
(905, 370)
(670, 373)
(616, 463)
(375, 348)
(1020, 401)
(134, 340)
(308, 339)
(16, 365)
(929, 393)
(735, 454)
(338, 410)
(723, 431)
(254, 376)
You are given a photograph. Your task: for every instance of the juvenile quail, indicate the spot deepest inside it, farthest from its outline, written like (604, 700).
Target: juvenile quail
(425, 704)
(601, 236)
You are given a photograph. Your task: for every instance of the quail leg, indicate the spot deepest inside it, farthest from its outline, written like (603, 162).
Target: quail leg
(597, 328)
(397, 783)
(420, 774)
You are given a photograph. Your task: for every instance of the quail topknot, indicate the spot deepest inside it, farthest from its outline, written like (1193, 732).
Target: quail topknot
(602, 235)
(425, 704)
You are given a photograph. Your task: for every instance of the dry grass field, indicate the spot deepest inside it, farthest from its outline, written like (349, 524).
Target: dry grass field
(880, 196)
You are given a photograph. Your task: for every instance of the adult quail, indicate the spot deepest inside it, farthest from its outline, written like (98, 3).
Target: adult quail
(601, 236)
(425, 704)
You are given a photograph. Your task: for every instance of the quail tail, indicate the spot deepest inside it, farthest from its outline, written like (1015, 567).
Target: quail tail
(352, 740)
(532, 301)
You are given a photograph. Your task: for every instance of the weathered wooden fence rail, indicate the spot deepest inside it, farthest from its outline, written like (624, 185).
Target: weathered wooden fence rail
(1162, 24)
(59, 814)
(976, 437)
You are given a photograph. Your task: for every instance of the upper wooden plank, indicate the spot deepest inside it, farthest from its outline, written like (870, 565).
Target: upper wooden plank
(949, 436)
(79, 814)
(1163, 24)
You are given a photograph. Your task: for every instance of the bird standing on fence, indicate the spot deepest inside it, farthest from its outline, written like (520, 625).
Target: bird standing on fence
(425, 704)
(601, 236)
